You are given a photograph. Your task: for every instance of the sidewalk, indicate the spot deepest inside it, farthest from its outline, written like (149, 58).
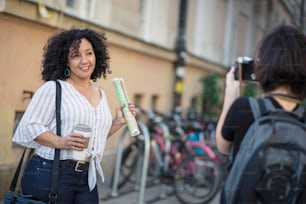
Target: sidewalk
(151, 196)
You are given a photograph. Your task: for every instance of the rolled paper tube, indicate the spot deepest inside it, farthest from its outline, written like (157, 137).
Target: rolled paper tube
(123, 99)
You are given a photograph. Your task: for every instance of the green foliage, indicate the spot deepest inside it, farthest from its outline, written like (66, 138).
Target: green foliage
(211, 94)
(251, 90)
(303, 103)
(212, 91)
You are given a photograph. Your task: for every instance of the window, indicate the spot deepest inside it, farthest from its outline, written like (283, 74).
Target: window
(241, 35)
(154, 100)
(70, 3)
(18, 116)
(138, 99)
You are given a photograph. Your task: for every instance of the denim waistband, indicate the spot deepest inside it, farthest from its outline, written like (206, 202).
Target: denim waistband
(79, 166)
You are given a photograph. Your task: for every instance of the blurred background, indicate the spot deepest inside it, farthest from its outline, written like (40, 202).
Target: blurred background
(172, 54)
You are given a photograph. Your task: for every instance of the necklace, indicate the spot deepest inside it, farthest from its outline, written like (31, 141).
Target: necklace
(286, 97)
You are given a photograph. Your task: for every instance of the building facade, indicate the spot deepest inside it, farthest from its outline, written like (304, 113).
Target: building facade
(143, 37)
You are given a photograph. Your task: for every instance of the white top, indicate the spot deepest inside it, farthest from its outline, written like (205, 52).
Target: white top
(39, 117)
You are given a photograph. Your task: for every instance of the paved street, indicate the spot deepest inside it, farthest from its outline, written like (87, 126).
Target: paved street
(151, 195)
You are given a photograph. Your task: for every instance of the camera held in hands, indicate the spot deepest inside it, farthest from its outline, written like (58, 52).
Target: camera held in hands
(244, 69)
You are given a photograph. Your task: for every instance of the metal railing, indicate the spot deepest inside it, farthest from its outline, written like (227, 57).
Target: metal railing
(146, 138)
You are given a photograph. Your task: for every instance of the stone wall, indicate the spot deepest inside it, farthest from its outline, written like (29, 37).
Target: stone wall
(6, 175)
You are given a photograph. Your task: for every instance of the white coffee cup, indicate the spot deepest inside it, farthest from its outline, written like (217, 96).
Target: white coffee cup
(85, 130)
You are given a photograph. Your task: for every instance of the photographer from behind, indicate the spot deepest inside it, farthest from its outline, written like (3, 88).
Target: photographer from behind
(280, 70)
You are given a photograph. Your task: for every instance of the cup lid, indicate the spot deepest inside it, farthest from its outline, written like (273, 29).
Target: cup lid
(83, 127)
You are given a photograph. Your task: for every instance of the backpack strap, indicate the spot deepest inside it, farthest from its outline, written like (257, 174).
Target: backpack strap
(267, 104)
(259, 107)
(299, 112)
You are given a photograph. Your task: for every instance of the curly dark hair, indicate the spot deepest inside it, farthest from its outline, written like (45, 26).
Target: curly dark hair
(282, 61)
(57, 48)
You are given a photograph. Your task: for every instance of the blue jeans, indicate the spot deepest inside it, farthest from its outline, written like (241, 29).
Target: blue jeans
(72, 185)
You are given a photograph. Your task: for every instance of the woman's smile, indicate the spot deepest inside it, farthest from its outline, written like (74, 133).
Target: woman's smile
(82, 62)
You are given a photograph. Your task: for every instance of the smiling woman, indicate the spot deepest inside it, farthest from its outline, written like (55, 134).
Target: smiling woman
(80, 66)
(81, 61)
(76, 58)
(63, 47)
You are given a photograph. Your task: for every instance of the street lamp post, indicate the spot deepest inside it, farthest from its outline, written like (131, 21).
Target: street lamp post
(180, 49)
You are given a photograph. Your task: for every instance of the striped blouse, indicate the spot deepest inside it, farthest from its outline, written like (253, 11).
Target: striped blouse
(39, 117)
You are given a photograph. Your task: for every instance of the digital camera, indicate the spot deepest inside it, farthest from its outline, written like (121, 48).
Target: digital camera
(244, 69)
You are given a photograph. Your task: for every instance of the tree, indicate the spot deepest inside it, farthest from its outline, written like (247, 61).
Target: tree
(211, 94)
(251, 90)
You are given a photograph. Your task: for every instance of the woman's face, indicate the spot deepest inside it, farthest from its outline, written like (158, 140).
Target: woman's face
(82, 62)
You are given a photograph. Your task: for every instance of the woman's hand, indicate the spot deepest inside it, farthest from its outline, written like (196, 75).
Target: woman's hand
(232, 92)
(119, 119)
(73, 141)
(232, 86)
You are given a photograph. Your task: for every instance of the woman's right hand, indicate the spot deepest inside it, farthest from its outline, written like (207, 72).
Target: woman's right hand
(232, 92)
(232, 86)
(73, 141)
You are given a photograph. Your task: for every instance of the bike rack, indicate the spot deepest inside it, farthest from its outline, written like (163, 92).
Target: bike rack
(163, 191)
(146, 137)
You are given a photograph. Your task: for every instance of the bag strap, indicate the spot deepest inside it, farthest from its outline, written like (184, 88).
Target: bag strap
(17, 172)
(16, 175)
(298, 112)
(262, 106)
(55, 167)
(257, 107)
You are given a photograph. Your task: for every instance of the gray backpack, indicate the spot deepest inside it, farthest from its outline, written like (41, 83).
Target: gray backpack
(270, 166)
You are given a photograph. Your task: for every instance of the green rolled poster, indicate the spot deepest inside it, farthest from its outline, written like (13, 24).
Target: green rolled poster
(123, 99)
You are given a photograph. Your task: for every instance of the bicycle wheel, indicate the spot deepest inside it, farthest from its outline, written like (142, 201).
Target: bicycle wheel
(197, 180)
(153, 173)
(132, 164)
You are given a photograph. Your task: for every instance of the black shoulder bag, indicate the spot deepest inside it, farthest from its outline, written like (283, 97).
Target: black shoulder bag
(13, 197)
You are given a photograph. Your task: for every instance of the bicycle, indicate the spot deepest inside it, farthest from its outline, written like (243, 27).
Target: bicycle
(192, 172)
(132, 161)
(173, 160)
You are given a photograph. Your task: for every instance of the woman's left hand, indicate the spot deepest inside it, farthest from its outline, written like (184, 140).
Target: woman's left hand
(119, 118)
